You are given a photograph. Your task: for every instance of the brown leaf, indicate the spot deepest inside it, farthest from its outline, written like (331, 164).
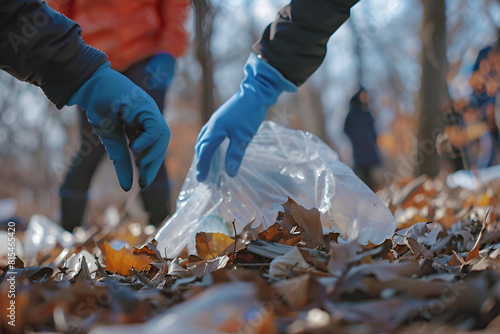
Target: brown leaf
(290, 242)
(380, 315)
(183, 254)
(455, 260)
(211, 245)
(150, 250)
(475, 250)
(340, 256)
(124, 259)
(200, 268)
(418, 249)
(383, 271)
(249, 233)
(321, 265)
(175, 269)
(273, 233)
(308, 221)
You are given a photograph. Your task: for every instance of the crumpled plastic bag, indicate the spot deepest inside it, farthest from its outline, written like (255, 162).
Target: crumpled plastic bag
(42, 236)
(279, 163)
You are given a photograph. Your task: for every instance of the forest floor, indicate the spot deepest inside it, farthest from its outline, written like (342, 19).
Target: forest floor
(439, 273)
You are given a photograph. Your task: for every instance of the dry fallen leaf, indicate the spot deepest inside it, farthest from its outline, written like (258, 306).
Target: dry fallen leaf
(455, 260)
(124, 259)
(273, 233)
(420, 274)
(475, 250)
(150, 250)
(211, 245)
(308, 221)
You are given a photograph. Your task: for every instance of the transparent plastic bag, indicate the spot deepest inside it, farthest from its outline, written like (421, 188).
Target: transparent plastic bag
(279, 163)
(42, 236)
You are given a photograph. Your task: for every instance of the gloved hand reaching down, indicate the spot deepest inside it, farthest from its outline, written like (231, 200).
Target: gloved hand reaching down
(113, 103)
(239, 117)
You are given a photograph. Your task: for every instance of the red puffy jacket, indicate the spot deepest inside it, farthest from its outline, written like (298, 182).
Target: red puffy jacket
(129, 30)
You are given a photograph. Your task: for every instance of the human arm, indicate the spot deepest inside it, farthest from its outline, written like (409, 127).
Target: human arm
(290, 50)
(43, 47)
(295, 43)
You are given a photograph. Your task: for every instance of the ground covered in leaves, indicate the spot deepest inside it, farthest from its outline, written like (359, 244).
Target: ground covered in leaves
(439, 273)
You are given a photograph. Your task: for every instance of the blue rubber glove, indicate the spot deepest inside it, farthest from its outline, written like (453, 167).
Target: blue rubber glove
(159, 71)
(114, 105)
(239, 117)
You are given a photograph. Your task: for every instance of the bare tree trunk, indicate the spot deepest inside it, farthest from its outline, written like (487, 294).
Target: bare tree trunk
(204, 19)
(433, 92)
(357, 51)
(310, 111)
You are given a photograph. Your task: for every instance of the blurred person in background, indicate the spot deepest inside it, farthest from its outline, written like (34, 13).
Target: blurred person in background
(359, 126)
(142, 39)
(471, 129)
(485, 85)
(40, 46)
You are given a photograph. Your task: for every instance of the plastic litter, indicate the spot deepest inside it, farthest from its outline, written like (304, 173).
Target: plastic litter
(6, 242)
(279, 162)
(74, 264)
(42, 235)
(473, 180)
(224, 308)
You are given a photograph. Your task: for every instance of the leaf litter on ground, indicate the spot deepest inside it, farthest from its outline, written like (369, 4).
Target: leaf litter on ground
(439, 273)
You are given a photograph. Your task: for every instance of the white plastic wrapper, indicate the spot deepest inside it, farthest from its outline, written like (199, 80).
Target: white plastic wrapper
(278, 163)
(42, 235)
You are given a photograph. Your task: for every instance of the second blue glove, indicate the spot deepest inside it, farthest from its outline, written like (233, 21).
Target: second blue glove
(159, 71)
(239, 117)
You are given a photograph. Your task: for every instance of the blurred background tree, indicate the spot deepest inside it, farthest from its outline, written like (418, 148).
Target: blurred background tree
(412, 55)
(433, 90)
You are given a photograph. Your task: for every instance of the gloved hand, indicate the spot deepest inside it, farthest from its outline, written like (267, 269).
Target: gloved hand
(159, 71)
(115, 104)
(239, 117)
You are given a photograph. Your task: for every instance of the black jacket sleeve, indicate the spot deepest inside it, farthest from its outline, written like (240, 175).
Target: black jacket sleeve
(43, 47)
(295, 43)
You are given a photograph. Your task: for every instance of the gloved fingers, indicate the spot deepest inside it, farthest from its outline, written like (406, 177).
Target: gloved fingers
(118, 152)
(157, 150)
(234, 155)
(147, 172)
(205, 148)
(153, 126)
(201, 135)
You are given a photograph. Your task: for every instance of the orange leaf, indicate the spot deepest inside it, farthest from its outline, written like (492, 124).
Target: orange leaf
(124, 259)
(290, 242)
(455, 260)
(273, 233)
(211, 245)
(475, 250)
(150, 250)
